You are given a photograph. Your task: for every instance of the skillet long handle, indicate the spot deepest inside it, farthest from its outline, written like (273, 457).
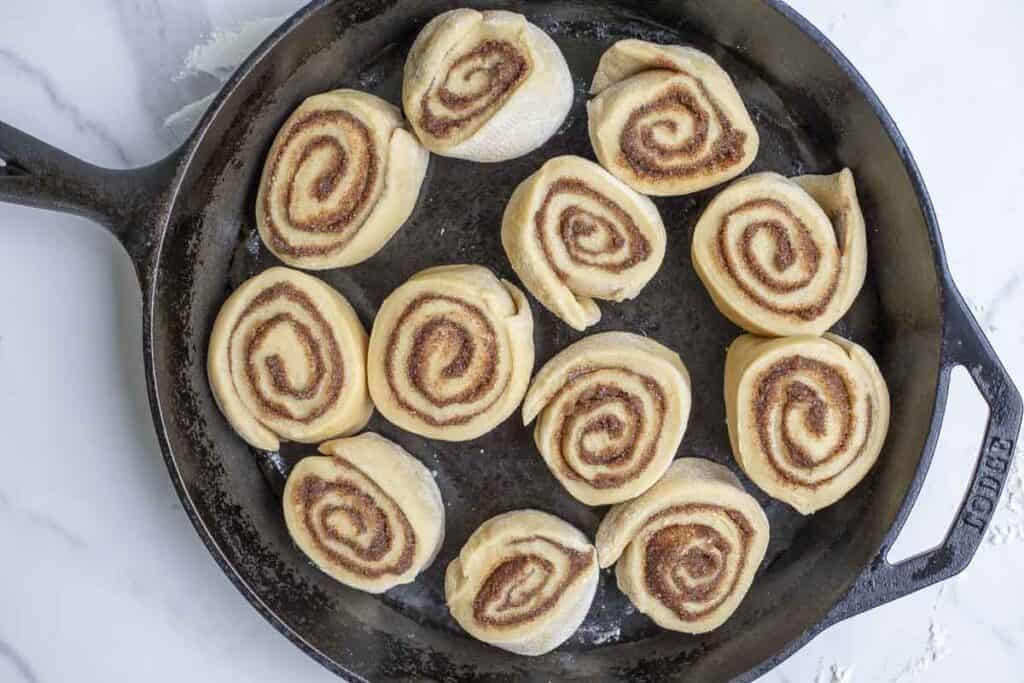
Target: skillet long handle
(36, 174)
(963, 344)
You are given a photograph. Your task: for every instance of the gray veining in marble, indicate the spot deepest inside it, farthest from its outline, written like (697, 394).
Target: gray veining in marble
(21, 67)
(17, 663)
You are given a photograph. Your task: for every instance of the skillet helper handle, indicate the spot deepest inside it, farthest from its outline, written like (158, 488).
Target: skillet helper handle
(36, 174)
(964, 344)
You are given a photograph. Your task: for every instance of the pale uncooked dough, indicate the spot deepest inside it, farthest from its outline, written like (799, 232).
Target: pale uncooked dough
(341, 178)
(366, 512)
(287, 361)
(783, 256)
(523, 582)
(687, 550)
(451, 352)
(667, 119)
(574, 233)
(807, 415)
(485, 86)
(612, 410)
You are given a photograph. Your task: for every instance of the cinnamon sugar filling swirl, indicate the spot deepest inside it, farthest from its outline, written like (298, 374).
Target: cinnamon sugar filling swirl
(485, 86)
(686, 551)
(341, 178)
(523, 582)
(287, 361)
(807, 415)
(451, 353)
(667, 119)
(783, 256)
(575, 233)
(365, 512)
(611, 411)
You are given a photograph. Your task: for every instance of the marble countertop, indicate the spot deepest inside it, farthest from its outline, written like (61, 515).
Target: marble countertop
(104, 578)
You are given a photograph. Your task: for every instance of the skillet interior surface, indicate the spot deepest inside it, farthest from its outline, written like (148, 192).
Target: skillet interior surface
(811, 118)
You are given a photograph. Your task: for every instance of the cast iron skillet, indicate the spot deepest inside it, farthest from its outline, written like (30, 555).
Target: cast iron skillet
(188, 224)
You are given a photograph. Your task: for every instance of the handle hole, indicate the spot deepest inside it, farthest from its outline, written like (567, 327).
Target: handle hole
(10, 168)
(945, 487)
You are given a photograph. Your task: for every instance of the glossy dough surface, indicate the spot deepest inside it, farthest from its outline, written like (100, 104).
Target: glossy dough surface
(783, 256)
(523, 582)
(574, 233)
(287, 361)
(342, 176)
(365, 512)
(807, 415)
(667, 119)
(611, 411)
(451, 352)
(485, 86)
(687, 550)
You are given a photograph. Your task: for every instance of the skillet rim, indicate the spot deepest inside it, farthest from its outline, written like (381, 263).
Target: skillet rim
(149, 267)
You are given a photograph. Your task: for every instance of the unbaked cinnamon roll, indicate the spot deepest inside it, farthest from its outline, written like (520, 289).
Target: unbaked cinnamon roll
(573, 232)
(667, 119)
(485, 86)
(287, 361)
(686, 550)
(783, 256)
(807, 415)
(612, 411)
(365, 512)
(523, 582)
(451, 352)
(341, 178)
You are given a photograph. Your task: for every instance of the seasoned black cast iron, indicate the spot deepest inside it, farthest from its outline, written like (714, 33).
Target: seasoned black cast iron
(188, 224)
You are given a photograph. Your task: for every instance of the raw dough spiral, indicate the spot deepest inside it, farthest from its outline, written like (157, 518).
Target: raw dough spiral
(287, 360)
(613, 409)
(688, 548)
(341, 178)
(485, 86)
(807, 415)
(523, 582)
(451, 352)
(667, 119)
(573, 231)
(783, 256)
(366, 512)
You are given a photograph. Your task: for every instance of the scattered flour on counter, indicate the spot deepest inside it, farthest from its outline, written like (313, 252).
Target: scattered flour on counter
(935, 650)
(938, 643)
(218, 55)
(936, 646)
(834, 673)
(1008, 524)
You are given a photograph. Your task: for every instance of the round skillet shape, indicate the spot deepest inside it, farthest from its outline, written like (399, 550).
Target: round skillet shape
(188, 223)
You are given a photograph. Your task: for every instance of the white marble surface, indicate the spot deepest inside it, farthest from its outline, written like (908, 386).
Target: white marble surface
(102, 577)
